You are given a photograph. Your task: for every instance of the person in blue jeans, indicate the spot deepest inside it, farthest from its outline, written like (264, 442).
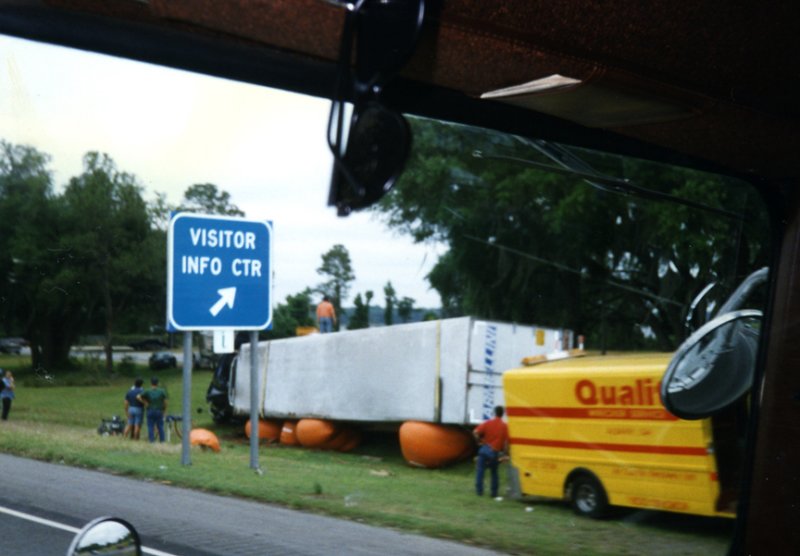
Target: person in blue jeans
(326, 315)
(492, 435)
(7, 393)
(155, 403)
(134, 410)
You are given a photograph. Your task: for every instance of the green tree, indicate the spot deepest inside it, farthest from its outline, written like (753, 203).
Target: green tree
(31, 303)
(430, 315)
(360, 318)
(531, 245)
(159, 210)
(404, 308)
(206, 198)
(391, 300)
(108, 233)
(145, 304)
(300, 307)
(337, 270)
(74, 260)
(287, 317)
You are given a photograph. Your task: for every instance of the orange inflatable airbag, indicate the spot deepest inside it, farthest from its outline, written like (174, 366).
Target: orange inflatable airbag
(430, 445)
(204, 438)
(288, 434)
(268, 429)
(351, 438)
(327, 435)
(315, 433)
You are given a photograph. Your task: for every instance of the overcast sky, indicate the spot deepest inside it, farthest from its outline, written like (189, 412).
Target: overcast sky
(172, 129)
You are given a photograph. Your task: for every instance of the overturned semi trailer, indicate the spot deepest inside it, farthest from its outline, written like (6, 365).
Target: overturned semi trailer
(445, 371)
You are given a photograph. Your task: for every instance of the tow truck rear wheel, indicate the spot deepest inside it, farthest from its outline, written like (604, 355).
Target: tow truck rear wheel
(589, 497)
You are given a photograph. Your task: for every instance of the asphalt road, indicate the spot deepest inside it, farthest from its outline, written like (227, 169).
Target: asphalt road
(21, 537)
(178, 521)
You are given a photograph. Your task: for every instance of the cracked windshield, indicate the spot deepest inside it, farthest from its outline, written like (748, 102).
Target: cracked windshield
(524, 347)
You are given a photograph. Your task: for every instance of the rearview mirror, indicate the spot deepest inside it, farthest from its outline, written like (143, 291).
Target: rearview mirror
(106, 535)
(714, 367)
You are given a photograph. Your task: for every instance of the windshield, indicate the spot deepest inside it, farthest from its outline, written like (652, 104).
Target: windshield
(598, 251)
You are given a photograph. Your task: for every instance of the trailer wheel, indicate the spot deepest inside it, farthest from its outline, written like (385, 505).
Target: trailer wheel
(589, 497)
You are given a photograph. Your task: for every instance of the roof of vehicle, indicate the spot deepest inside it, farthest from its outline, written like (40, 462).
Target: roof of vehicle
(600, 365)
(714, 82)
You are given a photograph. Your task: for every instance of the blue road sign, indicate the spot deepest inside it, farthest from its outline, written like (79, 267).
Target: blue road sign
(218, 273)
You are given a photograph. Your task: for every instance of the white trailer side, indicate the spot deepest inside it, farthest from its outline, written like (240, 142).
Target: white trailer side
(445, 371)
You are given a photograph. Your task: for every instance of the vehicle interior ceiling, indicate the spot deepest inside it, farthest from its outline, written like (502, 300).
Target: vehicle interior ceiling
(708, 85)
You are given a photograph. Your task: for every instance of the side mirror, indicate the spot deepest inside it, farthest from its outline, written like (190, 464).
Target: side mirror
(700, 309)
(740, 296)
(714, 367)
(106, 535)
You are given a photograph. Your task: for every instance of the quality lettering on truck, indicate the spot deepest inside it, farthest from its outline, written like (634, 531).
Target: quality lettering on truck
(594, 430)
(641, 392)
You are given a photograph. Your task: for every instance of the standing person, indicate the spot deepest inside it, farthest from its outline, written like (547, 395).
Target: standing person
(326, 315)
(134, 409)
(155, 403)
(7, 394)
(492, 435)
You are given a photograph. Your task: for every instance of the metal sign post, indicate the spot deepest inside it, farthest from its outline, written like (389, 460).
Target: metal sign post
(218, 278)
(254, 400)
(186, 458)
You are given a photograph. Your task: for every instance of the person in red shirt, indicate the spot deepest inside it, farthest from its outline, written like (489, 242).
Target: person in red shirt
(492, 435)
(326, 315)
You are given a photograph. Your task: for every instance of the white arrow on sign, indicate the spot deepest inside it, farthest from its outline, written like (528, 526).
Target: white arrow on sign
(226, 297)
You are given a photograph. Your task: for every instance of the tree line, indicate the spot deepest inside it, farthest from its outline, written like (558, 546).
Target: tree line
(91, 259)
(618, 263)
(533, 240)
(88, 258)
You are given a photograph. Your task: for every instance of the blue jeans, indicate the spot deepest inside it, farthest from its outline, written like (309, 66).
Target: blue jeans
(325, 325)
(6, 407)
(487, 458)
(135, 415)
(155, 418)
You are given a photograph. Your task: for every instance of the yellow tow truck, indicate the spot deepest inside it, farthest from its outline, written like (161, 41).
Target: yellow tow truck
(659, 431)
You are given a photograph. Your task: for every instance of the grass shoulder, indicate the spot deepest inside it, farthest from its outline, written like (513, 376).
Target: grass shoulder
(57, 422)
